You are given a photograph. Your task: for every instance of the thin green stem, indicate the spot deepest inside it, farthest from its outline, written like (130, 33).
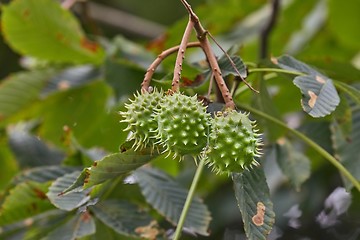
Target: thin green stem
(189, 199)
(347, 89)
(311, 143)
(278, 70)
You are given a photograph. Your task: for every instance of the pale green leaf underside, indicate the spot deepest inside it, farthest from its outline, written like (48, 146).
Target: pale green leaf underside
(347, 148)
(42, 29)
(121, 216)
(43, 174)
(294, 164)
(319, 96)
(168, 198)
(252, 195)
(79, 226)
(68, 201)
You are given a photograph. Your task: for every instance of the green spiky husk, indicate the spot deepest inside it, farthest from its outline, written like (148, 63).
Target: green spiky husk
(233, 143)
(182, 124)
(140, 118)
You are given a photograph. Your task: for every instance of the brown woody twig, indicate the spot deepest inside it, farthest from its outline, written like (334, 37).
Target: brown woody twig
(181, 56)
(150, 71)
(205, 45)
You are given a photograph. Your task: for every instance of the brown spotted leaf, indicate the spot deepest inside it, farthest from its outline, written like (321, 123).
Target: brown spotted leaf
(25, 200)
(319, 96)
(253, 198)
(42, 29)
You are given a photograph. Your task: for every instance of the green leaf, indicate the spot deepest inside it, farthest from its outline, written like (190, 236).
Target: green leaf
(266, 104)
(43, 174)
(116, 165)
(319, 96)
(68, 201)
(290, 63)
(19, 90)
(24, 200)
(124, 77)
(347, 148)
(79, 226)
(83, 110)
(123, 217)
(70, 78)
(227, 68)
(42, 29)
(343, 115)
(32, 152)
(344, 21)
(294, 164)
(8, 166)
(252, 195)
(168, 198)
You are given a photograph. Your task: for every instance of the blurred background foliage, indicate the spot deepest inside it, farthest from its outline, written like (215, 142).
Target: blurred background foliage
(64, 110)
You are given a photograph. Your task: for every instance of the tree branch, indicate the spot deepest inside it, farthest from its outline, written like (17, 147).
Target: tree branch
(265, 33)
(67, 4)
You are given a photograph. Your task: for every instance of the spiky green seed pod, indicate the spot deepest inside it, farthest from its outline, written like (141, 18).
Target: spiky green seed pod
(182, 124)
(140, 118)
(233, 143)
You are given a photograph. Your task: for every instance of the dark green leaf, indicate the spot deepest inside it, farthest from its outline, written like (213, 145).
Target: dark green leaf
(252, 195)
(294, 164)
(227, 68)
(43, 174)
(168, 198)
(68, 201)
(45, 223)
(32, 152)
(343, 116)
(290, 63)
(319, 96)
(266, 104)
(125, 78)
(77, 227)
(70, 78)
(41, 28)
(123, 217)
(20, 90)
(133, 52)
(115, 165)
(352, 92)
(347, 148)
(336, 68)
(25, 200)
